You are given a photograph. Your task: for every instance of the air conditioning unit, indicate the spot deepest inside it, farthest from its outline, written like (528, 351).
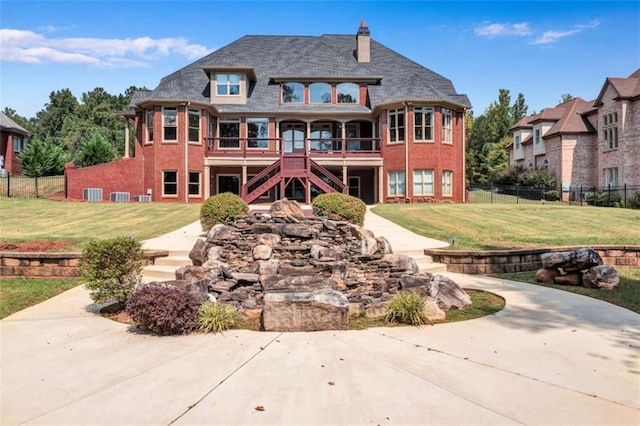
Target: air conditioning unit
(93, 195)
(119, 197)
(142, 198)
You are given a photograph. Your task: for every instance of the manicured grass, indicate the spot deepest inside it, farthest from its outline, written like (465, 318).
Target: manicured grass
(20, 293)
(496, 226)
(626, 295)
(79, 222)
(25, 187)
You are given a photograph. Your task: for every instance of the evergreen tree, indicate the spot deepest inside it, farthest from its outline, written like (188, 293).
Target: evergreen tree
(42, 158)
(96, 150)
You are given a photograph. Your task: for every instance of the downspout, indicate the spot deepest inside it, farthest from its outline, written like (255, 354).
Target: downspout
(464, 155)
(186, 152)
(406, 149)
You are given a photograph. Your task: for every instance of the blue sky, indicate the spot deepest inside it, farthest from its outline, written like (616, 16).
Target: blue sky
(542, 49)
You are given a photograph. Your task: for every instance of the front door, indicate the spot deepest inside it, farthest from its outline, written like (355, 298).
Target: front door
(293, 136)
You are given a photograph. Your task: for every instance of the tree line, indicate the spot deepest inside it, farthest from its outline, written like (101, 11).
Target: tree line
(85, 131)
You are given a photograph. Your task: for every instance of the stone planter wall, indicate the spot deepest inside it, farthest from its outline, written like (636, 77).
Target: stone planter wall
(49, 264)
(525, 260)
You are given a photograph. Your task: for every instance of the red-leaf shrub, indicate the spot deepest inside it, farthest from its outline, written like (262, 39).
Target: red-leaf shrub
(164, 309)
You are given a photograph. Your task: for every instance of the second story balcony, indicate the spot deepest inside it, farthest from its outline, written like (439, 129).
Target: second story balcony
(275, 147)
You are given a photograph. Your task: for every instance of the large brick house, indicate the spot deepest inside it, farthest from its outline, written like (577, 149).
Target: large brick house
(13, 139)
(268, 117)
(594, 143)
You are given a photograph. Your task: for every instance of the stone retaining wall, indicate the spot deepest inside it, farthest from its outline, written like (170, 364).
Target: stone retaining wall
(524, 260)
(50, 264)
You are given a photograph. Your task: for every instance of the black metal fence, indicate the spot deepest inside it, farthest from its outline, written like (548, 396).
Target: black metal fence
(626, 196)
(26, 187)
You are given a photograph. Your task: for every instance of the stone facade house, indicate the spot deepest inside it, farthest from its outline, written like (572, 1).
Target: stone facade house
(13, 139)
(585, 143)
(268, 117)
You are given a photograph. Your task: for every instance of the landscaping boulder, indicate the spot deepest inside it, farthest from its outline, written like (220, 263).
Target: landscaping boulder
(305, 311)
(546, 275)
(198, 253)
(448, 294)
(284, 208)
(572, 278)
(433, 312)
(402, 261)
(574, 260)
(601, 276)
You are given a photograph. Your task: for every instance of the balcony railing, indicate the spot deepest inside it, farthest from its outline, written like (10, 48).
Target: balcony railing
(330, 147)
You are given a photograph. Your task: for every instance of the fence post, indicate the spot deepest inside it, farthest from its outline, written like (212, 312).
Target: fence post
(491, 193)
(8, 184)
(625, 195)
(36, 184)
(517, 195)
(544, 194)
(608, 195)
(581, 195)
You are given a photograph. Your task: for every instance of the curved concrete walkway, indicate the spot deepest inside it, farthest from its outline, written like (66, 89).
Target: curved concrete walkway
(550, 357)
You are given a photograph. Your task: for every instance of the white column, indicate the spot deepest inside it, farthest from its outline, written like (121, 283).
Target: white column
(345, 178)
(380, 184)
(207, 181)
(126, 139)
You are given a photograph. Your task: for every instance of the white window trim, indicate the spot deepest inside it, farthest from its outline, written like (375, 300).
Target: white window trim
(424, 111)
(164, 126)
(21, 144)
(199, 113)
(450, 185)
(397, 184)
(228, 84)
(424, 174)
(199, 194)
(164, 195)
(610, 135)
(229, 120)
(149, 113)
(390, 130)
(447, 126)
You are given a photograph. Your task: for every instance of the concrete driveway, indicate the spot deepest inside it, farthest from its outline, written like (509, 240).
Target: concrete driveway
(549, 357)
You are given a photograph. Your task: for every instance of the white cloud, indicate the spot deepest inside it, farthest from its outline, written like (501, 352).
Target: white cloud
(501, 30)
(31, 47)
(552, 36)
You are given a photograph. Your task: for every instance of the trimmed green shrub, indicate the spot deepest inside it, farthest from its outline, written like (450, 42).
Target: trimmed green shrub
(340, 206)
(407, 307)
(552, 195)
(604, 199)
(221, 208)
(215, 317)
(633, 202)
(112, 268)
(165, 309)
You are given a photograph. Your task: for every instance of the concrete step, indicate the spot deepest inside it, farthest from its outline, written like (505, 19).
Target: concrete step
(159, 273)
(172, 260)
(425, 263)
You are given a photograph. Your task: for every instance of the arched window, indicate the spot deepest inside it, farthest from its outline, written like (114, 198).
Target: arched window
(348, 93)
(292, 93)
(320, 93)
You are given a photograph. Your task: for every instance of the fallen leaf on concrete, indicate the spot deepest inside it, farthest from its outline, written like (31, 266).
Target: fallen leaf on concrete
(260, 408)
(332, 383)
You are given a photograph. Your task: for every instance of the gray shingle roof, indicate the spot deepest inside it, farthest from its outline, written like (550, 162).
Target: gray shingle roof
(307, 57)
(9, 125)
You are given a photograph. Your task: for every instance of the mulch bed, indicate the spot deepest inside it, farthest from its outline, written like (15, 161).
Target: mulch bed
(32, 246)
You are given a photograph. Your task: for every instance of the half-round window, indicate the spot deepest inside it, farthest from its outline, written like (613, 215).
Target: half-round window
(320, 93)
(348, 93)
(292, 93)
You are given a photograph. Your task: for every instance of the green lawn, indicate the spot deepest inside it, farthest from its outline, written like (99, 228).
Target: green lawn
(20, 293)
(496, 226)
(79, 222)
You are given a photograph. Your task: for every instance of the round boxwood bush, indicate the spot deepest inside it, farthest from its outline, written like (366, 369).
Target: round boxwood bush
(340, 206)
(164, 309)
(221, 208)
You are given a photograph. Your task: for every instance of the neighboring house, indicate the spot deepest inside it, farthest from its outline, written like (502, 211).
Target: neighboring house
(13, 139)
(268, 117)
(595, 143)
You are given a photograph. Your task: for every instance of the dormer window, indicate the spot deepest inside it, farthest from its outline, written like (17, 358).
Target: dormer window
(292, 93)
(348, 93)
(228, 84)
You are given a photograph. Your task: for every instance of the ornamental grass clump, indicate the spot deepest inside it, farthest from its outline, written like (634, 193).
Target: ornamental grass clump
(112, 268)
(215, 317)
(164, 309)
(407, 307)
(340, 206)
(221, 208)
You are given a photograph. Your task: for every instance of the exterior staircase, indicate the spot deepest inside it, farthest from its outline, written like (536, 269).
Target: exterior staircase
(164, 268)
(425, 263)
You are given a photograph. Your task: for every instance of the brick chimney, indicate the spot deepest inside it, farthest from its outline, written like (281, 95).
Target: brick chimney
(363, 40)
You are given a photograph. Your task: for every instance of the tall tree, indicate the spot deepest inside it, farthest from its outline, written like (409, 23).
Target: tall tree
(519, 109)
(42, 157)
(50, 121)
(96, 150)
(566, 97)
